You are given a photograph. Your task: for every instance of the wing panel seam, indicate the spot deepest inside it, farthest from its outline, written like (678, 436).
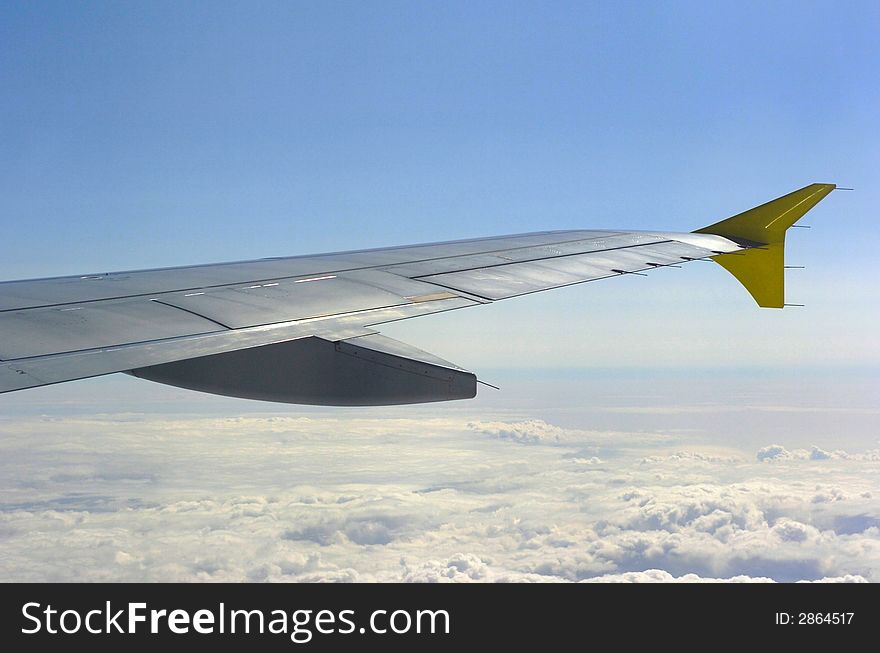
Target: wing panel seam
(191, 312)
(545, 258)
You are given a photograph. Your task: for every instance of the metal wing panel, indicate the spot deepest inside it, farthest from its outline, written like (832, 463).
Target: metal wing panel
(512, 279)
(283, 301)
(13, 378)
(93, 287)
(448, 264)
(48, 369)
(599, 241)
(96, 287)
(603, 242)
(504, 281)
(410, 253)
(48, 331)
(409, 289)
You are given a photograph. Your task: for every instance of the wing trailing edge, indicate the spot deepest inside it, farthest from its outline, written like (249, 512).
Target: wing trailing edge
(760, 267)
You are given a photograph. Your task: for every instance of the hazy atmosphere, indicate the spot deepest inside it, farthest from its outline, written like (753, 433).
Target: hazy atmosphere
(647, 429)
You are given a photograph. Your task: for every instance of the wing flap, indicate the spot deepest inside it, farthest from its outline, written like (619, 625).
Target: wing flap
(284, 300)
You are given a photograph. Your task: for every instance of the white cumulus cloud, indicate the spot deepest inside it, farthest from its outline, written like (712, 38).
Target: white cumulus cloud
(323, 497)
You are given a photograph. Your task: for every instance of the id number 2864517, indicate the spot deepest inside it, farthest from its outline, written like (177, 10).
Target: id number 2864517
(814, 618)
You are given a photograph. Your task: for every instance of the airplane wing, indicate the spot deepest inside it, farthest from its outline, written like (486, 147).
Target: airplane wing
(302, 329)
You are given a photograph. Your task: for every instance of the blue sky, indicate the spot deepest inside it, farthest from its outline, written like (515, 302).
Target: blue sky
(648, 428)
(162, 133)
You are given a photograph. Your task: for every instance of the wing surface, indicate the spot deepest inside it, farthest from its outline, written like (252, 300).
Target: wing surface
(66, 328)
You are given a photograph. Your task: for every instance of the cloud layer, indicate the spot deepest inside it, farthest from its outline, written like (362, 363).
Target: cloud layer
(279, 498)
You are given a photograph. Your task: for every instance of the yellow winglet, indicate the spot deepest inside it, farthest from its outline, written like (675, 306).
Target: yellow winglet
(760, 268)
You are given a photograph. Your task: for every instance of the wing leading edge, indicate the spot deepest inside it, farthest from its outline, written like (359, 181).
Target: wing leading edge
(300, 329)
